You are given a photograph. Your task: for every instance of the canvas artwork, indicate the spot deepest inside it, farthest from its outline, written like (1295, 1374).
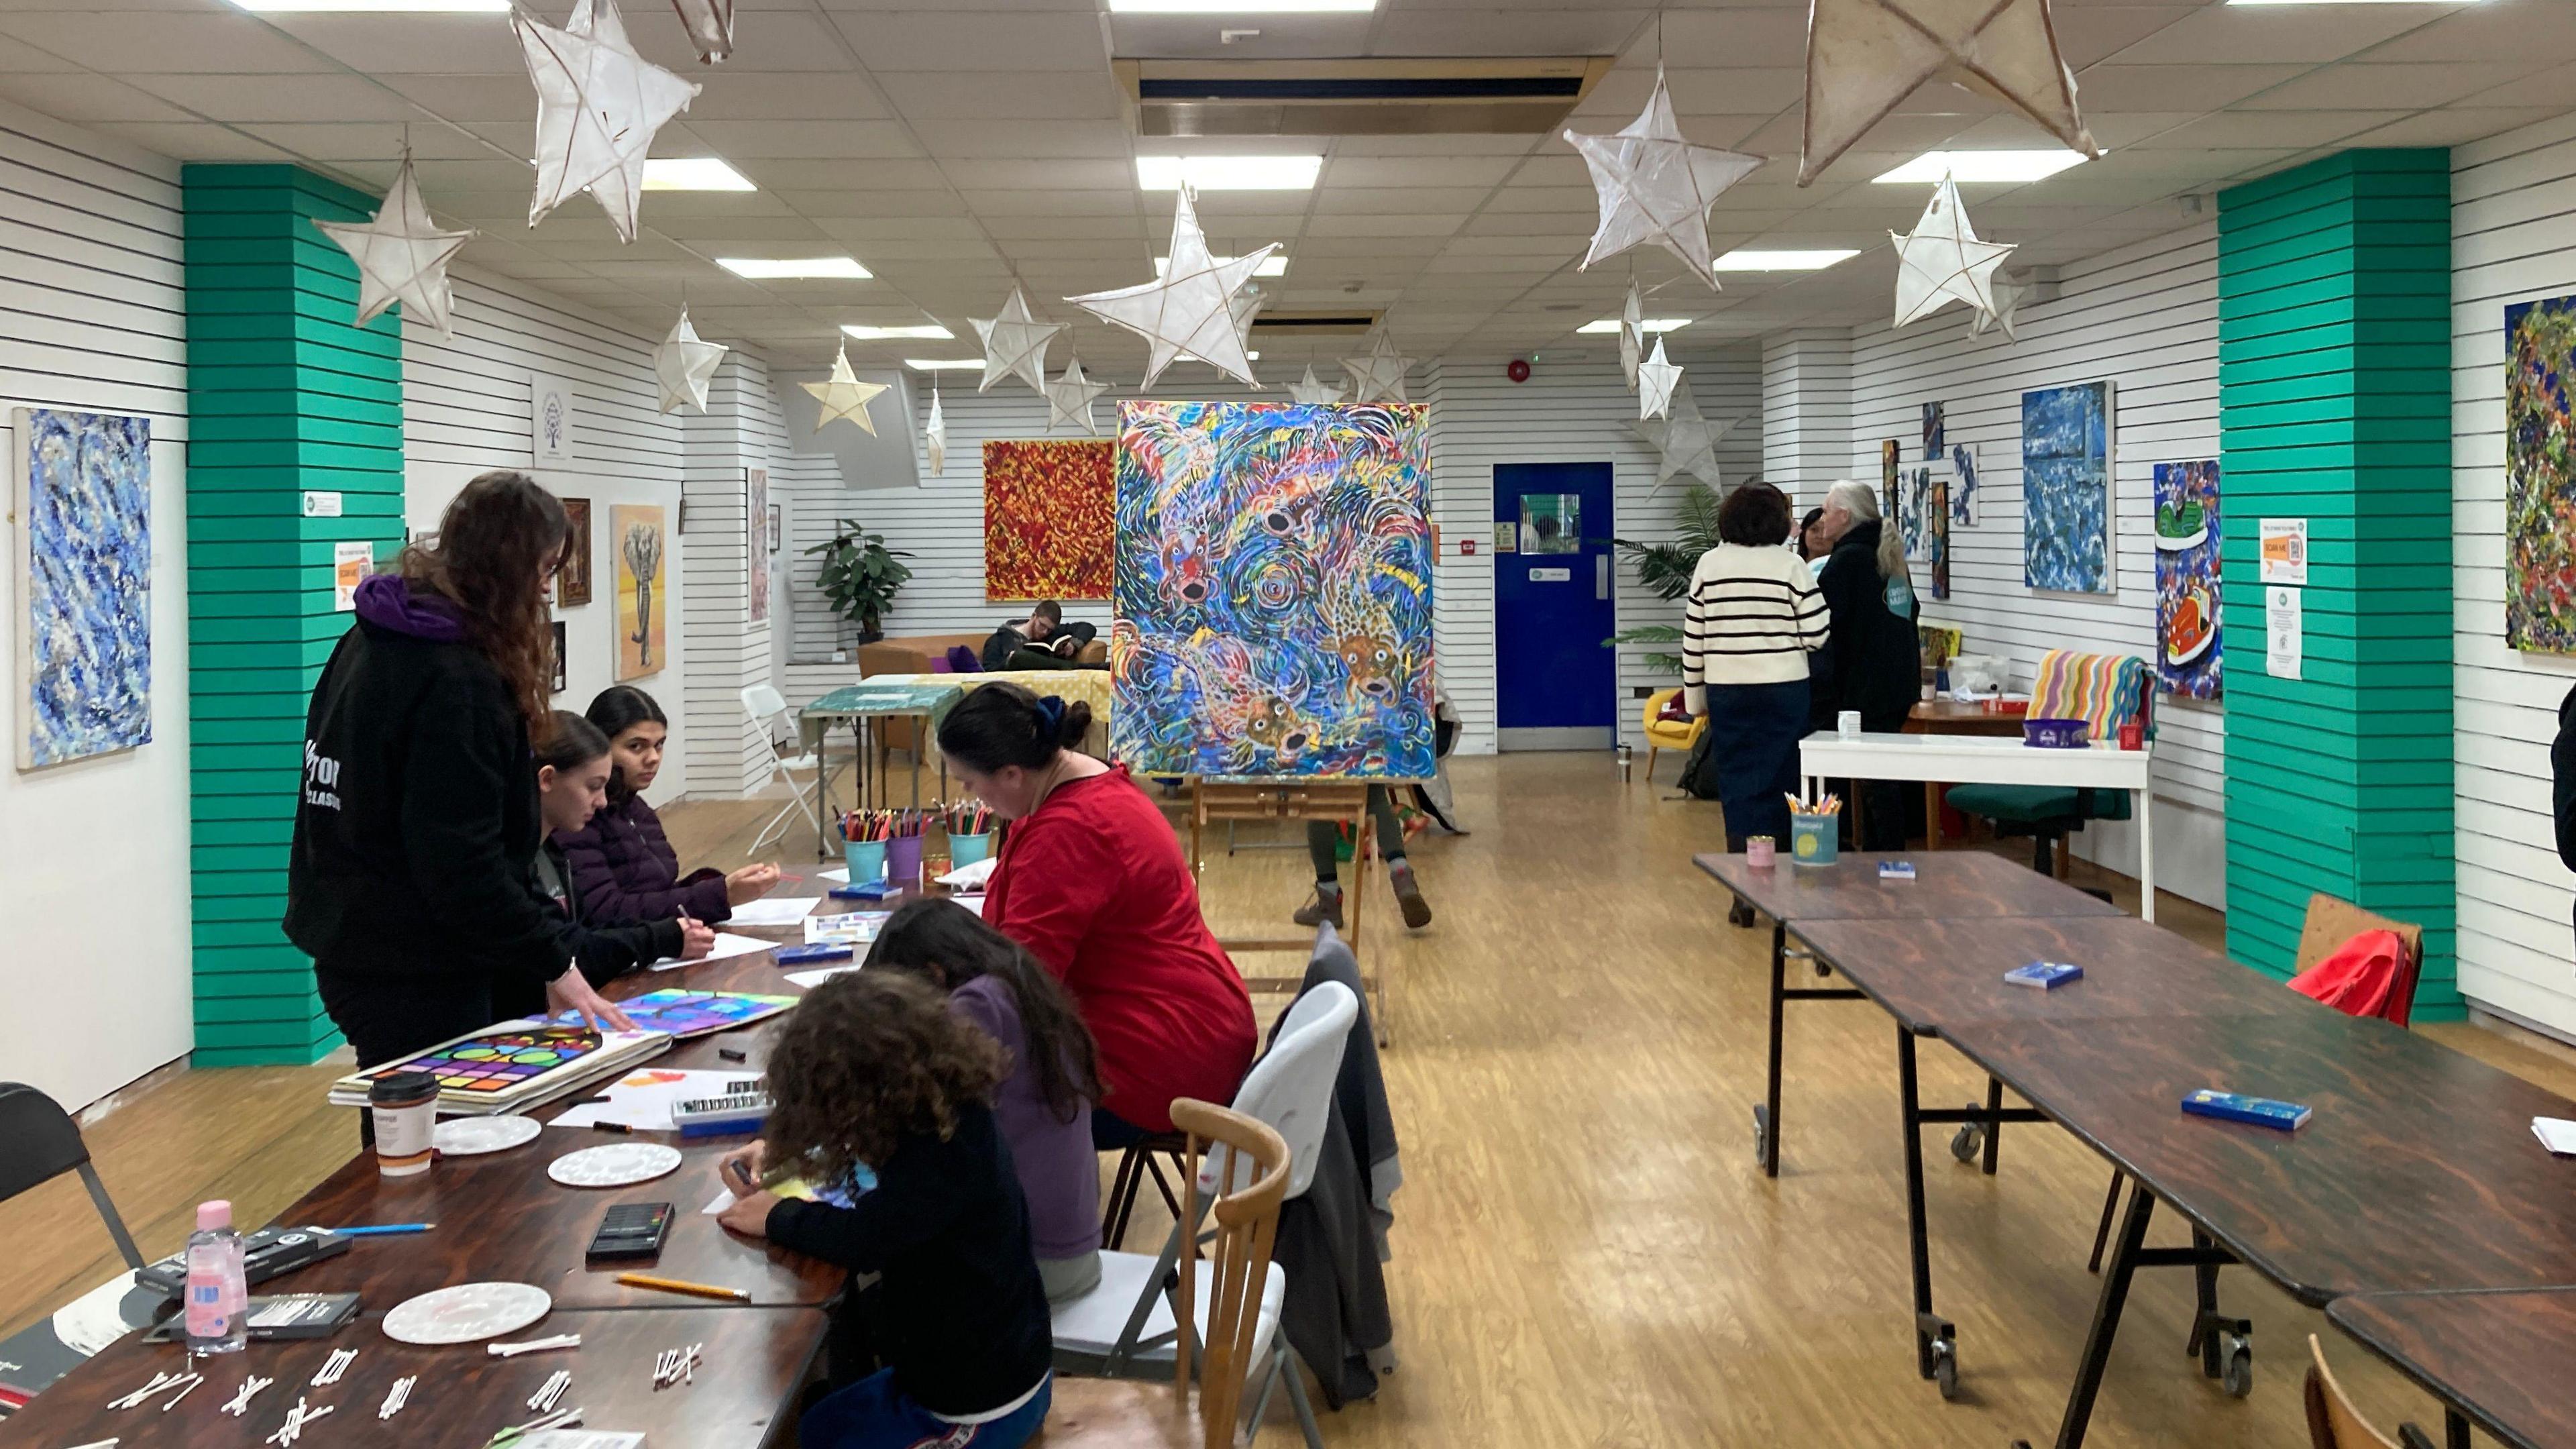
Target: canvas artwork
(777, 530)
(83, 504)
(563, 663)
(642, 626)
(1049, 512)
(499, 1060)
(2540, 476)
(755, 514)
(2066, 488)
(1912, 518)
(572, 583)
(1891, 468)
(1935, 437)
(692, 1013)
(1936, 533)
(2187, 622)
(1273, 607)
(1963, 485)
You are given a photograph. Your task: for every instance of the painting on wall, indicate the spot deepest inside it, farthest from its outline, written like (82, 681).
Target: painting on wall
(1936, 533)
(1912, 518)
(1963, 485)
(572, 584)
(755, 515)
(777, 526)
(550, 419)
(2540, 475)
(563, 664)
(642, 608)
(2066, 488)
(1050, 507)
(1935, 436)
(82, 498)
(2187, 616)
(1273, 605)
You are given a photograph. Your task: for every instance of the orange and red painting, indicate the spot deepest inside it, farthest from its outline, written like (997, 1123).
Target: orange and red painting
(1049, 518)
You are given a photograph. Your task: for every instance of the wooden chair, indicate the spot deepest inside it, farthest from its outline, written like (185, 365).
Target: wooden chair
(1125, 1414)
(2333, 1423)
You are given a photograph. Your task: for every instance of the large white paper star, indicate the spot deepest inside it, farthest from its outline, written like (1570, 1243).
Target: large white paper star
(710, 26)
(401, 255)
(598, 107)
(1015, 344)
(1864, 57)
(1378, 377)
(2008, 294)
(1308, 390)
(684, 366)
(1632, 334)
(1189, 312)
(1683, 440)
(1943, 262)
(1656, 187)
(844, 396)
(934, 435)
(1655, 379)
(1069, 398)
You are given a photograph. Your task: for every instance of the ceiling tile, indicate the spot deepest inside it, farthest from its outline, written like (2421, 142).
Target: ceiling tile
(120, 42)
(401, 44)
(2360, 85)
(732, 95)
(85, 98)
(2456, 126)
(2269, 128)
(192, 140)
(1074, 95)
(2222, 34)
(2494, 30)
(956, 39)
(2109, 89)
(1025, 139)
(744, 141)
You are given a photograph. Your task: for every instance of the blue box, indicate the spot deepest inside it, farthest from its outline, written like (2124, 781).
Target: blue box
(813, 951)
(2237, 1107)
(1896, 870)
(2043, 974)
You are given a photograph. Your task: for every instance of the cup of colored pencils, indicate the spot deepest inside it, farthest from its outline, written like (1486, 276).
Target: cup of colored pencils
(861, 847)
(1815, 828)
(970, 832)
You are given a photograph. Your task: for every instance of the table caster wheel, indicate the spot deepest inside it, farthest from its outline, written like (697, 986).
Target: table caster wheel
(2236, 1365)
(1761, 1134)
(1945, 1367)
(1969, 1140)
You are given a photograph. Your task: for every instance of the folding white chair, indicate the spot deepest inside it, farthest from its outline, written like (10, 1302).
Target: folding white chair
(768, 711)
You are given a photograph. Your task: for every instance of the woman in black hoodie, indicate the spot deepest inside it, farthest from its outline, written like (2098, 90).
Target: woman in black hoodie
(1872, 663)
(408, 878)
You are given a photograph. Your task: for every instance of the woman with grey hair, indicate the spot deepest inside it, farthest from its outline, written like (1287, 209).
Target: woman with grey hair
(1872, 663)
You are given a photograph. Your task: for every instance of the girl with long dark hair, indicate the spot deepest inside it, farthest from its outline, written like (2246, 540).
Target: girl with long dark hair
(623, 866)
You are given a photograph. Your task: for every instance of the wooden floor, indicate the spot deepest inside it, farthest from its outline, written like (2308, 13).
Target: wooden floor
(1585, 1253)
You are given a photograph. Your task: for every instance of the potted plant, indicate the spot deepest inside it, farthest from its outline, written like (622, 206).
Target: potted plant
(860, 576)
(1666, 569)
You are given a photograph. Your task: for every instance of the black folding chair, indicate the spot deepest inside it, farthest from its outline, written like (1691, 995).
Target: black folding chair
(38, 1143)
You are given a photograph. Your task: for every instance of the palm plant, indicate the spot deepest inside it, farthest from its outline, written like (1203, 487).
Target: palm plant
(1666, 568)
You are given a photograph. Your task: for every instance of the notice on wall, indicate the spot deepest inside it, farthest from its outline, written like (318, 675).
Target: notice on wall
(350, 563)
(2285, 551)
(2283, 627)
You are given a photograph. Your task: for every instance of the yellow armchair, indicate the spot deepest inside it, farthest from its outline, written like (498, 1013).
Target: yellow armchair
(1664, 734)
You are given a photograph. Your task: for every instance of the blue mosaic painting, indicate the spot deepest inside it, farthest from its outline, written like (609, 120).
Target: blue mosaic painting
(1272, 589)
(85, 522)
(2066, 488)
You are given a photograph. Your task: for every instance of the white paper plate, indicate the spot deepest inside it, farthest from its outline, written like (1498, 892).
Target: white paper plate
(619, 1164)
(467, 1313)
(474, 1136)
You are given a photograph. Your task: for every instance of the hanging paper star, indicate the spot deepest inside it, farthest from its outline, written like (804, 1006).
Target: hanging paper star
(1015, 344)
(1069, 398)
(402, 256)
(1632, 334)
(1308, 390)
(1655, 379)
(1190, 311)
(1943, 262)
(1378, 377)
(684, 366)
(934, 435)
(710, 26)
(1246, 305)
(1656, 187)
(598, 107)
(2008, 294)
(844, 396)
(1864, 57)
(1683, 440)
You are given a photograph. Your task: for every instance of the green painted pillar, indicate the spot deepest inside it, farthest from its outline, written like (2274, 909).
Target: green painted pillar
(2334, 358)
(285, 398)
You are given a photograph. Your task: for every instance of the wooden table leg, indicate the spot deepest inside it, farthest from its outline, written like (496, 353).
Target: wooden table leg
(1931, 815)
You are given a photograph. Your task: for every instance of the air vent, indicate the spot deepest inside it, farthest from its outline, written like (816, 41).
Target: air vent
(1517, 96)
(1283, 325)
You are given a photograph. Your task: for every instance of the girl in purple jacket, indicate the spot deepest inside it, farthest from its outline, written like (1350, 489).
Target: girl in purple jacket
(622, 864)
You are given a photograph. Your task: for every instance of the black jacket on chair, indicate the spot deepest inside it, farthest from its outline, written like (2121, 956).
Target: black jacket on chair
(2562, 779)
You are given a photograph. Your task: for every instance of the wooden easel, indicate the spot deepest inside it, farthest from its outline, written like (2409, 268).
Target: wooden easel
(1334, 800)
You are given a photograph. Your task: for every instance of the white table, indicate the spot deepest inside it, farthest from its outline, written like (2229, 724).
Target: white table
(1995, 760)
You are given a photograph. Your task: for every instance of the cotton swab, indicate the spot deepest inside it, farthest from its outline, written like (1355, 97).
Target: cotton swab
(333, 1367)
(239, 1405)
(534, 1345)
(397, 1396)
(551, 1394)
(296, 1419)
(193, 1381)
(159, 1382)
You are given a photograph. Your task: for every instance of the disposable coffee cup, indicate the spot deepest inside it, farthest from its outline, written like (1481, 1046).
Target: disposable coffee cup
(405, 1105)
(1847, 723)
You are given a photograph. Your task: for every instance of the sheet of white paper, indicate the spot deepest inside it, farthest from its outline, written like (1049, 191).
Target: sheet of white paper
(852, 928)
(2555, 1133)
(837, 875)
(2284, 627)
(643, 1098)
(811, 979)
(723, 1200)
(774, 911)
(727, 944)
(971, 877)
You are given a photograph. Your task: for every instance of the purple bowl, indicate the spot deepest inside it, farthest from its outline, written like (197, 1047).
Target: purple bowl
(2055, 734)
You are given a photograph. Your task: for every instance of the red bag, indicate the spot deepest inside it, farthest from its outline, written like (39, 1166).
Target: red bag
(2359, 978)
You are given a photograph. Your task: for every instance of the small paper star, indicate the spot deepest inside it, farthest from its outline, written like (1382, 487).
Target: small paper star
(684, 366)
(1654, 186)
(1378, 377)
(1655, 380)
(1864, 57)
(1015, 344)
(1632, 334)
(1308, 390)
(2008, 296)
(844, 396)
(1190, 311)
(934, 434)
(1683, 440)
(1069, 398)
(1943, 262)
(402, 256)
(599, 105)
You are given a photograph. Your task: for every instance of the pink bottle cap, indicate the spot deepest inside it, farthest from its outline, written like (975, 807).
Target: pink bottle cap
(216, 1214)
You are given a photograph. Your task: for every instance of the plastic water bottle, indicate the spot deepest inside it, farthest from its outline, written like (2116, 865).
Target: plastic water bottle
(218, 1296)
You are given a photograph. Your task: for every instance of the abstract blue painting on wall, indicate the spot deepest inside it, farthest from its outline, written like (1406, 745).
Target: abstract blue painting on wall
(2066, 488)
(1272, 590)
(84, 507)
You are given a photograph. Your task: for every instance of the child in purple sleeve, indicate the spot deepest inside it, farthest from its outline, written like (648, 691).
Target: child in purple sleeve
(623, 867)
(1044, 1105)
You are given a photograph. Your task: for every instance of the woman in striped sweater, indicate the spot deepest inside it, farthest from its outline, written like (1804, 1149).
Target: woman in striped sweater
(1754, 615)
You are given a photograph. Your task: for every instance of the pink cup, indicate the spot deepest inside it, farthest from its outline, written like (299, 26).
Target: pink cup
(1761, 852)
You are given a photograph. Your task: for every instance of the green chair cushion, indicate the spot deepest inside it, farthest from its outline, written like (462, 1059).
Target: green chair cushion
(2033, 804)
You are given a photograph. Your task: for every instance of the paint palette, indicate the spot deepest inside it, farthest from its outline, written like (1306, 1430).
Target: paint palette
(512, 1066)
(684, 1014)
(498, 1061)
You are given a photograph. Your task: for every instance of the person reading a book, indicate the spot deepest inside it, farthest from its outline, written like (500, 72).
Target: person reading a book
(952, 1346)
(1043, 640)
(406, 878)
(1091, 880)
(623, 866)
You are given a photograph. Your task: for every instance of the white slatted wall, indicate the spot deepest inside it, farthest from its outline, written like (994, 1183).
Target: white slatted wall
(725, 651)
(1806, 412)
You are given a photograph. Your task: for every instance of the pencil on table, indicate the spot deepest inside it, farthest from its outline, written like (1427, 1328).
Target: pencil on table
(682, 1285)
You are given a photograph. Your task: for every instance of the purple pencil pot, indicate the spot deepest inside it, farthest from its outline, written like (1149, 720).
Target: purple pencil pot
(903, 860)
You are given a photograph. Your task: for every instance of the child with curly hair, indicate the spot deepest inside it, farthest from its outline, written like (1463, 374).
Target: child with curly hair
(952, 1345)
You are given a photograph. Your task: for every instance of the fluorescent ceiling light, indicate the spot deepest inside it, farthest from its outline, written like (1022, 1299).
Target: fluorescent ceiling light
(932, 331)
(2350, 2)
(1650, 324)
(1253, 355)
(1969, 166)
(774, 268)
(1241, 7)
(942, 364)
(1273, 265)
(693, 173)
(1229, 173)
(1746, 259)
(381, 7)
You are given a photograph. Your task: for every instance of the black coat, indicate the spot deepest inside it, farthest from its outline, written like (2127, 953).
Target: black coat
(2562, 779)
(1873, 660)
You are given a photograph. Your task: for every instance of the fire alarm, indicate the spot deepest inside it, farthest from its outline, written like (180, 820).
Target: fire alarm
(1518, 371)
(1467, 546)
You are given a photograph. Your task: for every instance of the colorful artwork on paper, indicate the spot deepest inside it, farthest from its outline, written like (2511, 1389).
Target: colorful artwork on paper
(2187, 642)
(2540, 475)
(1891, 478)
(84, 507)
(694, 1013)
(1050, 510)
(643, 607)
(755, 542)
(1936, 533)
(1935, 435)
(497, 1061)
(572, 581)
(1963, 491)
(1273, 606)
(2066, 488)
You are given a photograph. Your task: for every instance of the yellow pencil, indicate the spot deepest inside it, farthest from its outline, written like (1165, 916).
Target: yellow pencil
(681, 1285)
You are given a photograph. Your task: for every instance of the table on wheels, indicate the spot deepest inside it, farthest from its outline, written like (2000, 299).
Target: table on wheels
(863, 706)
(2493, 1358)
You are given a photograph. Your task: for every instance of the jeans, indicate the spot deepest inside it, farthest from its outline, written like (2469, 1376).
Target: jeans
(1323, 837)
(1753, 734)
(874, 1414)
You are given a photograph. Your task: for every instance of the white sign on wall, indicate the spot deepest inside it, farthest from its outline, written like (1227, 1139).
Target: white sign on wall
(550, 425)
(2284, 627)
(2285, 550)
(350, 565)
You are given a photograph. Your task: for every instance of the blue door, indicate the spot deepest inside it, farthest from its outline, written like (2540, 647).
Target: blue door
(1557, 681)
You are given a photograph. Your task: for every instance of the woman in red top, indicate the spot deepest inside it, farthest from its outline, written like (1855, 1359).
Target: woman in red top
(1092, 882)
